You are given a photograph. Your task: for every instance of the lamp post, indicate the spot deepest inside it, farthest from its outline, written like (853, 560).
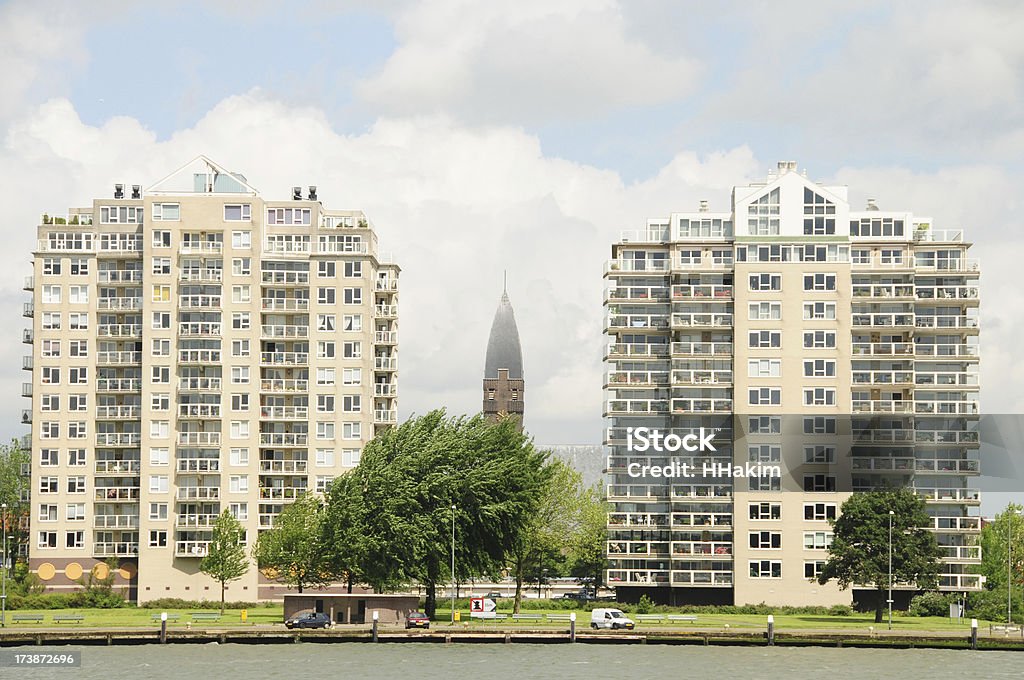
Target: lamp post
(891, 515)
(3, 564)
(453, 564)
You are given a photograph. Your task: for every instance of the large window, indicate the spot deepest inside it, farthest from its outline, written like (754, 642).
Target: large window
(766, 569)
(763, 215)
(762, 282)
(765, 511)
(819, 214)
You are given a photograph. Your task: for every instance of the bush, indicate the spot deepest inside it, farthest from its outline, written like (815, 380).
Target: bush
(990, 605)
(840, 610)
(645, 606)
(178, 603)
(930, 604)
(78, 600)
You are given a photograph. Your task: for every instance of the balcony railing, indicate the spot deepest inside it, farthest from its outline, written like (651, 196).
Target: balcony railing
(637, 294)
(630, 321)
(636, 576)
(923, 349)
(617, 379)
(884, 320)
(681, 377)
(701, 405)
(119, 276)
(111, 439)
(115, 521)
(187, 493)
(117, 493)
(194, 328)
(702, 348)
(944, 379)
(883, 377)
(200, 247)
(716, 549)
(284, 385)
(637, 350)
(199, 301)
(956, 524)
(385, 363)
(711, 578)
(199, 384)
(284, 412)
(946, 321)
(117, 549)
(385, 337)
(385, 416)
(385, 389)
(701, 519)
(281, 493)
(199, 356)
(118, 358)
(702, 292)
(119, 330)
(946, 407)
(385, 311)
(645, 266)
(118, 384)
(284, 331)
(628, 520)
(199, 410)
(882, 406)
(285, 304)
(884, 348)
(117, 467)
(119, 303)
(284, 358)
(616, 549)
(635, 406)
(284, 439)
(201, 275)
(885, 290)
(624, 492)
(191, 548)
(284, 467)
(286, 278)
(199, 438)
(198, 465)
(966, 293)
(195, 521)
(948, 495)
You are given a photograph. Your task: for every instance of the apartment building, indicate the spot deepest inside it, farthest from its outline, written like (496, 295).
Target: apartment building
(839, 345)
(195, 348)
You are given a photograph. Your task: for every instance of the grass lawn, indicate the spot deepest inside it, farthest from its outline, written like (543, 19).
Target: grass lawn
(136, 617)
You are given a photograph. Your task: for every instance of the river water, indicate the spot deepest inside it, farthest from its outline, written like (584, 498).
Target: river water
(424, 661)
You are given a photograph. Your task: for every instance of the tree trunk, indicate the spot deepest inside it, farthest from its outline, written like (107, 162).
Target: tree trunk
(349, 583)
(431, 605)
(879, 606)
(519, 587)
(223, 587)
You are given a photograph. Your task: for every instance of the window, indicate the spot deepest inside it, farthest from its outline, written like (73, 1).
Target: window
(51, 266)
(352, 350)
(764, 453)
(288, 215)
(819, 396)
(48, 484)
(765, 311)
(813, 282)
(166, 212)
(325, 403)
(161, 348)
(819, 339)
(78, 348)
(352, 376)
(161, 320)
(813, 568)
(239, 511)
(764, 368)
(158, 538)
(326, 269)
(241, 294)
(766, 569)
(159, 429)
(766, 483)
(819, 214)
(350, 457)
(78, 295)
(78, 375)
(241, 239)
(351, 430)
(74, 539)
(325, 322)
(239, 348)
(238, 483)
(353, 270)
(158, 483)
(765, 425)
(239, 456)
(817, 540)
(47, 539)
(76, 457)
(819, 511)
(241, 321)
(76, 484)
(76, 429)
(326, 296)
(818, 311)
(325, 457)
(47, 513)
(765, 511)
(161, 293)
(237, 213)
(159, 456)
(351, 403)
(765, 540)
(323, 483)
(890, 256)
(78, 402)
(763, 215)
(820, 454)
(324, 349)
(241, 266)
(51, 321)
(765, 396)
(161, 401)
(239, 402)
(51, 294)
(239, 429)
(49, 429)
(49, 375)
(819, 425)
(860, 256)
(819, 483)
(353, 296)
(161, 239)
(50, 348)
(49, 402)
(240, 375)
(325, 376)
(819, 368)
(352, 322)
(878, 226)
(765, 339)
(158, 511)
(761, 282)
(49, 457)
(325, 430)
(161, 375)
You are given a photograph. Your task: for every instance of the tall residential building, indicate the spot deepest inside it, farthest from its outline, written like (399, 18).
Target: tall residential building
(841, 345)
(504, 385)
(197, 348)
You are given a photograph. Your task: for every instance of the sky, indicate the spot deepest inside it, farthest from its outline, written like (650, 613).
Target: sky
(522, 136)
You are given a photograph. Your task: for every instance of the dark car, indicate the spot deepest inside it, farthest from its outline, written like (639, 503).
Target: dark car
(309, 620)
(581, 595)
(493, 595)
(417, 620)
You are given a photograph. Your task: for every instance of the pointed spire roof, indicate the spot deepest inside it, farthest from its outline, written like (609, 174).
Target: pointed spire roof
(503, 348)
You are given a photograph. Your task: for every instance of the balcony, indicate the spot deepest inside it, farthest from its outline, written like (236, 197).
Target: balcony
(26, 416)
(965, 265)
(191, 493)
(921, 465)
(385, 311)
(117, 549)
(118, 439)
(283, 467)
(957, 524)
(115, 521)
(702, 349)
(883, 377)
(385, 390)
(201, 275)
(624, 322)
(625, 407)
(385, 363)
(27, 336)
(284, 439)
(883, 320)
(284, 412)
(118, 384)
(960, 351)
(195, 521)
(711, 578)
(660, 266)
(702, 492)
(947, 495)
(282, 492)
(637, 351)
(646, 576)
(30, 283)
(959, 582)
(885, 349)
(191, 548)
(26, 363)
(944, 322)
(119, 303)
(700, 519)
(201, 248)
(386, 284)
(385, 337)
(702, 292)
(285, 304)
(119, 276)
(947, 437)
(699, 378)
(904, 436)
(616, 549)
(199, 439)
(960, 553)
(885, 290)
(28, 309)
(707, 549)
(631, 492)
(199, 328)
(638, 294)
(117, 493)
(284, 385)
(962, 407)
(284, 331)
(198, 465)
(702, 405)
(199, 384)
(630, 520)
(26, 389)
(119, 330)
(280, 278)
(284, 358)
(384, 416)
(201, 411)
(945, 294)
(117, 467)
(882, 406)
(623, 379)
(118, 358)
(199, 356)
(945, 379)
(199, 301)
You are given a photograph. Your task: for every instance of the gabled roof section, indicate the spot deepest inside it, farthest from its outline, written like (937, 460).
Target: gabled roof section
(202, 176)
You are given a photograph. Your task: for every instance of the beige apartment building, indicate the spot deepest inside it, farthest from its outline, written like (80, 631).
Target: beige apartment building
(197, 348)
(840, 346)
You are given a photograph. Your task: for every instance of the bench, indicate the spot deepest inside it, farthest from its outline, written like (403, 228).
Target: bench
(68, 618)
(689, 618)
(170, 617)
(206, 616)
(558, 617)
(22, 618)
(650, 618)
(527, 617)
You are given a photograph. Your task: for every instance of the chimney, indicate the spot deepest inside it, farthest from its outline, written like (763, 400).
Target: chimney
(872, 205)
(118, 191)
(703, 205)
(786, 166)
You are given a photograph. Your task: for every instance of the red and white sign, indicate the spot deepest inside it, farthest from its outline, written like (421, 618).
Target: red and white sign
(482, 608)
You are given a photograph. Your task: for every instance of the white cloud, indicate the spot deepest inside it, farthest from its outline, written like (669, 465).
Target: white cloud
(533, 60)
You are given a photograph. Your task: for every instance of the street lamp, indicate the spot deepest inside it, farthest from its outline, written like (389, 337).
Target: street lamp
(3, 593)
(891, 515)
(453, 564)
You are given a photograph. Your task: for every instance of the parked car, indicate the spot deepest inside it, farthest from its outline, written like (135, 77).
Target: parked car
(610, 618)
(493, 595)
(309, 620)
(581, 595)
(417, 620)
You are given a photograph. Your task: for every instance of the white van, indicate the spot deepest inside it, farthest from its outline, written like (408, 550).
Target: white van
(610, 618)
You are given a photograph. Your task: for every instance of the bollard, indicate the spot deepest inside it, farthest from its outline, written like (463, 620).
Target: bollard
(376, 618)
(163, 628)
(974, 633)
(771, 629)
(572, 626)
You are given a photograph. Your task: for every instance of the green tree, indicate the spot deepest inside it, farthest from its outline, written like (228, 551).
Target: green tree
(409, 478)
(14, 486)
(1006, 529)
(293, 551)
(587, 544)
(860, 545)
(225, 559)
(343, 528)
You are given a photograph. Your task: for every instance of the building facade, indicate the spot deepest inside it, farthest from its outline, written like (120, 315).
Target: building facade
(504, 383)
(197, 348)
(840, 346)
